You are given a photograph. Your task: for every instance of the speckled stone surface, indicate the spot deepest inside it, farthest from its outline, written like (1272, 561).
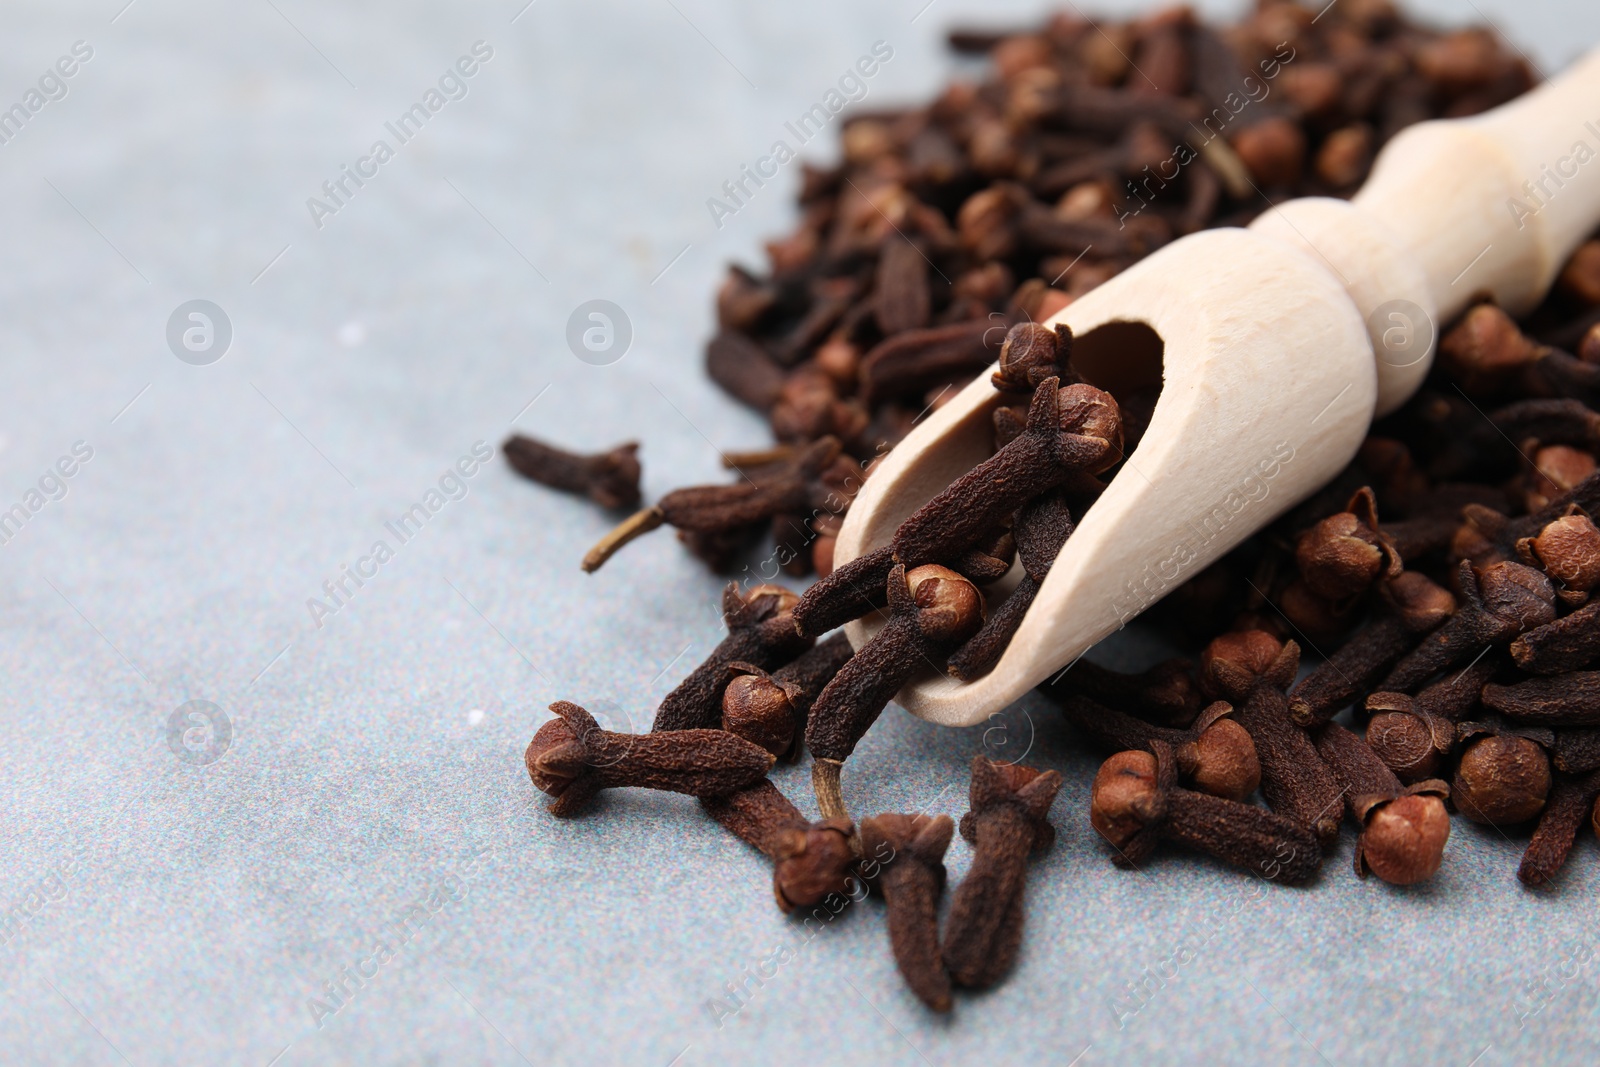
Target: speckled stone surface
(369, 824)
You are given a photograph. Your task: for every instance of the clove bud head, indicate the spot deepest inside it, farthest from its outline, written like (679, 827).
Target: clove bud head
(548, 759)
(1231, 662)
(1222, 761)
(1420, 602)
(757, 709)
(950, 608)
(1090, 412)
(1403, 839)
(1126, 797)
(1517, 594)
(785, 599)
(1557, 469)
(1340, 556)
(811, 863)
(1401, 739)
(1501, 780)
(1569, 551)
(1486, 347)
(1030, 354)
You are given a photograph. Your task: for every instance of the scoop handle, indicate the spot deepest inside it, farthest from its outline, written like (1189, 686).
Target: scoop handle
(1498, 202)
(1456, 209)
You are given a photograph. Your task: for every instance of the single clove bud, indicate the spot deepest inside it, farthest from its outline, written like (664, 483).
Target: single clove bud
(1031, 353)
(771, 710)
(818, 477)
(912, 880)
(1568, 422)
(1215, 755)
(1414, 606)
(810, 859)
(1563, 645)
(1568, 550)
(1252, 669)
(849, 592)
(610, 479)
(1403, 830)
(760, 633)
(1136, 803)
(1561, 700)
(1007, 822)
(744, 369)
(1042, 528)
(1489, 351)
(932, 609)
(1555, 470)
(1499, 603)
(1071, 431)
(901, 299)
(1166, 694)
(1414, 736)
(572, 758)
(1502, 779)
(860, 587)
(1572, 798)
(916, 360)
(1341, 556)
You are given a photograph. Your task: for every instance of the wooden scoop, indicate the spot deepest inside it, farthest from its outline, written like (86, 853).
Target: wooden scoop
(1277, 346)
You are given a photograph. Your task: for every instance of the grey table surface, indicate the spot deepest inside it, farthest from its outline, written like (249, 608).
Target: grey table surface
(370, 815)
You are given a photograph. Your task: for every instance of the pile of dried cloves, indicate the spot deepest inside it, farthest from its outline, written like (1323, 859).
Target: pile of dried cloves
(1440, 589)
(1088, 147)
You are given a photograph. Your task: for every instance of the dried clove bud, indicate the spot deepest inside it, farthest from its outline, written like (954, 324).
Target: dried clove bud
(1486, 349)
(1043, 527)
(1341, 556)
(1568, 550)
(810, 859)
(902, 300)
(572, 758)
(610, 479)
(1414, 735)
(1560, 646)
(1403, 831)
(1215, 756)
(1566, 422)
(1499, 603)
(1502, 778)
(1071, 431)
(818, 477)
(1007, 822)
(847, 593)
(1571, 799)
(1031, 353)
(1136, 803)
(915, 360)
(771, 710)
(1414, 607)
(1562, 700)
(932, 609)
(1252, 669)
(859, 588)
(1556, 470)
(744, 369)
(912, 880)
(760, 632)
(1273, 150)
